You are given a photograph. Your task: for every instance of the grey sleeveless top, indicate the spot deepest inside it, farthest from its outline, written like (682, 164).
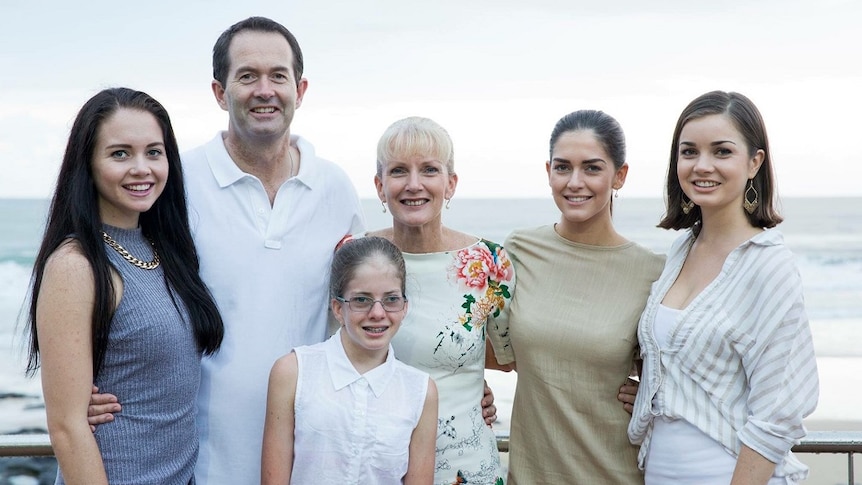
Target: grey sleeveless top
(152, 365)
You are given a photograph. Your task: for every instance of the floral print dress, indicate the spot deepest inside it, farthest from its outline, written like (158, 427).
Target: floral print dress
(454, 298)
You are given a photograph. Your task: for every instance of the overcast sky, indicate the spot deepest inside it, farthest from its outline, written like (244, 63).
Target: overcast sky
(496, 73)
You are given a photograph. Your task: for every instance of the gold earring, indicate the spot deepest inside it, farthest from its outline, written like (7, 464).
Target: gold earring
(686, 206)
(750, 205)
(384, 206)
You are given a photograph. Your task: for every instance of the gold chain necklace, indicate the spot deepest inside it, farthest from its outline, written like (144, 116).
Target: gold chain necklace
(128, 256)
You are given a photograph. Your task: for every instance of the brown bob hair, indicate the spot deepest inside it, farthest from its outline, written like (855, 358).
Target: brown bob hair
(747, 119)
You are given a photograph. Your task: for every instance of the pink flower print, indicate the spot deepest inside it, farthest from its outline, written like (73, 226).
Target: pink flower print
(484, 272)
(503, 271)
(473, 266)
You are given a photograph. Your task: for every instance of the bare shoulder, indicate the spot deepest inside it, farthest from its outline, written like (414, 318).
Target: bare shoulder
(66, 292)
(457, 239)
(285, 368)
(282, 382)
(68, 262)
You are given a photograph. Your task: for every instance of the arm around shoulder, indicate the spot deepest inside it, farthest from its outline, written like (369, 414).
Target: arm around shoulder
(277, 454)
(423, 443)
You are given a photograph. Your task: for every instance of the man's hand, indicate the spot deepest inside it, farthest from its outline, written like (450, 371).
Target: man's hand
(627, 394)
(489, 411)
(101, 408)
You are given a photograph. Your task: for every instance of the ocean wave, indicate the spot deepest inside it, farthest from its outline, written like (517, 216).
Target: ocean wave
(14, 281)
(23, 258)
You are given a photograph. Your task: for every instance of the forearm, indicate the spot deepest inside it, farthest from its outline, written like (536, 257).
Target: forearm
(278, 431)
(77, 454)
(752, 468)
(423, 442)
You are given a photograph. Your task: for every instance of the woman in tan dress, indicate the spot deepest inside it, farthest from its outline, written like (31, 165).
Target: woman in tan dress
(573, 320)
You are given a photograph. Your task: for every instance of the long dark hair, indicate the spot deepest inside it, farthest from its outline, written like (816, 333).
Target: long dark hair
(747, 119)
(74, 212)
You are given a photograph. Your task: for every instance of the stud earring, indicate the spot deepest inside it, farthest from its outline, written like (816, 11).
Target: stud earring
(750, 205)
(686, 204)
(384, 206)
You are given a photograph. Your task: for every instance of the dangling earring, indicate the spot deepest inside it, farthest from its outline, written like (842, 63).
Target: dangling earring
(750, 205)
(384, 206)
(616, 194)
(686, 206)
(447, 202)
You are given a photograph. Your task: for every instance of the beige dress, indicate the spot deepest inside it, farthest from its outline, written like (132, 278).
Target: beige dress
(573, 325)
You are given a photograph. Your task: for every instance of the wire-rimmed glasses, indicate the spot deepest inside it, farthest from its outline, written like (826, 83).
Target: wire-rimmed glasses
(391, 303)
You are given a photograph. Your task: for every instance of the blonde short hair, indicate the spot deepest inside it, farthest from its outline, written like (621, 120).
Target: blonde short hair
(415, 136)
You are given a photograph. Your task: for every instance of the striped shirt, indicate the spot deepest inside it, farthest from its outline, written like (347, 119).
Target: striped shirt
(740, 361)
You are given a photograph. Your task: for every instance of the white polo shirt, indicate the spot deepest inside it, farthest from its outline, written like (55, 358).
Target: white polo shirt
(268, 269)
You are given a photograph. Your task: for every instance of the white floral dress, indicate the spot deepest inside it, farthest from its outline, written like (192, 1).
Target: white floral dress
(454, 297)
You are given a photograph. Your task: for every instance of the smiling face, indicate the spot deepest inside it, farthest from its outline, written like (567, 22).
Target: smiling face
(261, 93)
(415, 187)
(368, 333)
(715, 163)
(582, 177)
(129, 166)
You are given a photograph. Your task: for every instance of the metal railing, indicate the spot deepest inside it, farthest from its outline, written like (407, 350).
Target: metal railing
(25, 445)
(841, 442)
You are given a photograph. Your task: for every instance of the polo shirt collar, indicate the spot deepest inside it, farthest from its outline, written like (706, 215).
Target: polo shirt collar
(227, 173)
(343, 373)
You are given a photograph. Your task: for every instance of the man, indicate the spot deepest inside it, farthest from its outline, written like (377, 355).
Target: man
(266, 215)
(269, 215)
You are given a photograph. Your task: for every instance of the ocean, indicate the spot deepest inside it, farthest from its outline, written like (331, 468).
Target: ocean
(824, 234)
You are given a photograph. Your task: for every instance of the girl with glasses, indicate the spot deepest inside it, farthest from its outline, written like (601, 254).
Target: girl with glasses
(345, 411)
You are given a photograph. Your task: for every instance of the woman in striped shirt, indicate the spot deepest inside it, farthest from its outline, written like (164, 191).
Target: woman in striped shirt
(729, 368)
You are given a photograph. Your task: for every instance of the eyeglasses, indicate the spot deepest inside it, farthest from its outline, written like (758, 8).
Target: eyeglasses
(392, 303)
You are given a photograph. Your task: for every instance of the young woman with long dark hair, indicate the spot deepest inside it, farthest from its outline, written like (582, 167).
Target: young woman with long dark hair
(117, 300)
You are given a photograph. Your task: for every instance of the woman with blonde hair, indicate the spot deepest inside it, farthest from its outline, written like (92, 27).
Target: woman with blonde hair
(458, 283)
